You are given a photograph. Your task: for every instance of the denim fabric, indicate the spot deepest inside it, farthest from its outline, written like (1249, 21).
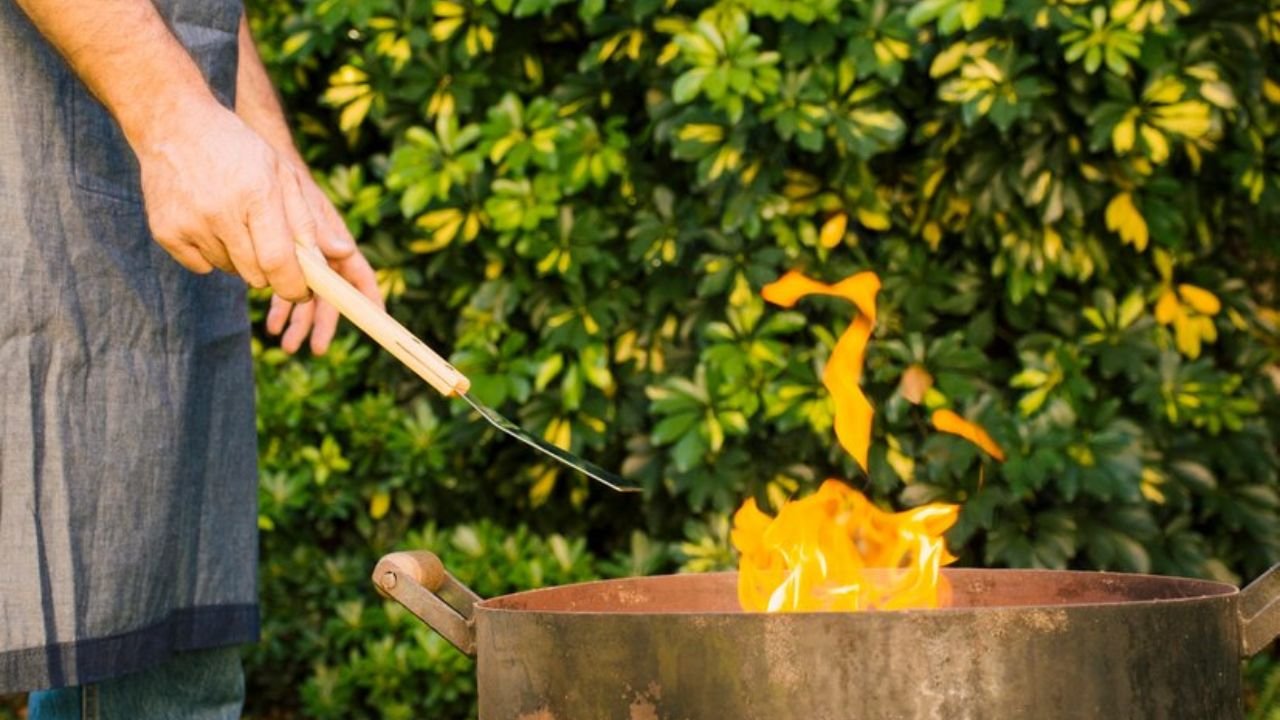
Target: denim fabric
(128, 519)
(200, 685)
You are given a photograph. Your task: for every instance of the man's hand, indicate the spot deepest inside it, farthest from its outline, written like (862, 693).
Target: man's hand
(218, 196)
(258, 106)
(222, 189)
(316, 316)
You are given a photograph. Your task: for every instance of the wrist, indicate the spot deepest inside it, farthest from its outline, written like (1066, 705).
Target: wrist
(274, 131)
(162, 117)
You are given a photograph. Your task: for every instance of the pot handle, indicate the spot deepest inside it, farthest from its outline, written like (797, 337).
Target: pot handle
(1260, 613)
(418, 581)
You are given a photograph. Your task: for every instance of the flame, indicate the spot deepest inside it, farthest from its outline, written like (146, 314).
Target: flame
(815, 554)
(948, 421)
(835, 550)
(844, 370)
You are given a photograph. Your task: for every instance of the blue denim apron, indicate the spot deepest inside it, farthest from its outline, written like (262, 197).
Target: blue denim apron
(128, 522)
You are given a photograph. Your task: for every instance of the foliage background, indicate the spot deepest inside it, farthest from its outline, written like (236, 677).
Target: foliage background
(1072, 205)
(580, 201)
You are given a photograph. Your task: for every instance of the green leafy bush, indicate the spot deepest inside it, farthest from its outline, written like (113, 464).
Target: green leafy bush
(1072, 206)
(370, 657)
(1262, 677)
(348, 474)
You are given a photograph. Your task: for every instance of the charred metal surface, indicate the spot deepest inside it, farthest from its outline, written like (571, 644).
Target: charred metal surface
(1050, 646)
(1015, 644)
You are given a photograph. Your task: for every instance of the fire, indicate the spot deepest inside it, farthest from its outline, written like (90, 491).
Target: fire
(844, 370)
(814, 556)
(835, 550)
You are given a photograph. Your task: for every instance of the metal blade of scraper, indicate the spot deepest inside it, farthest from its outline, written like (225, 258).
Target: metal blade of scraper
(590, 469)
(426, 363)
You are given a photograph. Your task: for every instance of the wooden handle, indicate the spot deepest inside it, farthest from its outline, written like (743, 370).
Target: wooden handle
(419, 566)
(420, 583)
(380, 326)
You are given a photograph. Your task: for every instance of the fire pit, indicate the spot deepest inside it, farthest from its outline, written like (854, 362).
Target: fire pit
(1014, 644)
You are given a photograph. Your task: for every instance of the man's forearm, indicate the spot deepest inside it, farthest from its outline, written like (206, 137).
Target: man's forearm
(256, 100)
(143, 76)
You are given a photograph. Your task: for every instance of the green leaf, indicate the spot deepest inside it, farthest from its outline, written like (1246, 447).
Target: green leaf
(688, 451)
(415, 199)
(688, 85)
(674, 427)
(490, 390)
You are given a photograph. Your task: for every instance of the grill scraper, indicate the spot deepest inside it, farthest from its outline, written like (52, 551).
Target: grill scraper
(426, 363)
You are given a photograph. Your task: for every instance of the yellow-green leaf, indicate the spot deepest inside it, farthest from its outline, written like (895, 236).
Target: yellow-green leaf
(379, 504)
(355, 113)
(1164, 91)
(295, 42)
(1124, 218)
(1271, 91)
(1190, 118)
(833, 230)
(1167, 308)
(444, 29)
(1123, 133)
(709, 133)
(447, 8)
(1218, 93)
(543, 484)
(873, 219)
(1157, 146)
(1203, 301)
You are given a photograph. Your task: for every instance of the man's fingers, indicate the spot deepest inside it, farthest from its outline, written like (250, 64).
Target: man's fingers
(274, 248)
(299, 326)
(216, 253)
(332, 235)
(324, 327)
(278, 314)
(297, 209)
(237, 254)
(358, 272)
(339, 241)
(189, 257)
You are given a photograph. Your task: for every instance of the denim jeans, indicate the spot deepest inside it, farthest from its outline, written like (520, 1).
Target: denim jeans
(198, 685)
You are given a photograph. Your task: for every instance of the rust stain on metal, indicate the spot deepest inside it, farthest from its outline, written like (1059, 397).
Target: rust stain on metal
(780, 653)
(643, 707)
(643, 710)
(1047, 621)
(625, 597)
(1004, 625)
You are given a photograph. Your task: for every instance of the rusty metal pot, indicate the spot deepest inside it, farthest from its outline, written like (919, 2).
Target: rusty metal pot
(1015, 645)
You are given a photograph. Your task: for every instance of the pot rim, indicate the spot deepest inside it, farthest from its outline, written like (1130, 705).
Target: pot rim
(1208, 591)
(419, 582)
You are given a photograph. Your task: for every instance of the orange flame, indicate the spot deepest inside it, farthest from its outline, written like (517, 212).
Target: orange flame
(844, 370)
(835, 550)
(815, 555)
(948, 421)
